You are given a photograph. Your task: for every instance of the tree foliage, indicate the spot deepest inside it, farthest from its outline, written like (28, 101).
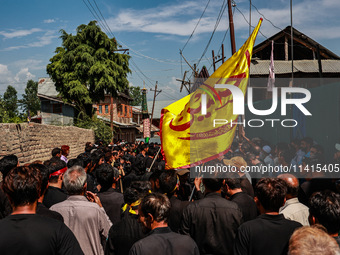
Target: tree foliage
(101, 130)
(4, 118)
(11, 102)
(86, 66)
(136, 94)
(30, 100)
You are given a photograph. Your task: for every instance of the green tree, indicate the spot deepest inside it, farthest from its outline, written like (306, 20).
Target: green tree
(101, 130)
(11, 102)
(30, 100)
(4, 118)
(87, 67)
(136, 94)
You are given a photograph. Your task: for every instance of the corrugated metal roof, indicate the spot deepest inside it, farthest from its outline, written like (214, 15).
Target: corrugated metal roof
(261, 67)
(46, 87)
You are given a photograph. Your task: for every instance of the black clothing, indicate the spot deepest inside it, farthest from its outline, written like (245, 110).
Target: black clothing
(314, 185)
(184, 192)
(123, 235)
(176, 213)
(148, 163)
(112, 202)
(31, 234)
(44, 211)
(246, 204)
(267, 234)
(164, 241)
(53, 196)
(212, 222)
(91, 183)
(5, 205)
(246, 186)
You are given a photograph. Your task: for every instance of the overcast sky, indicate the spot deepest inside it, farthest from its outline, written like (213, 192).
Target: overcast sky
(154, 31)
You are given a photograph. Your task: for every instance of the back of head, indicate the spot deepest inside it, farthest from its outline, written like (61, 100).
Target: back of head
(55, 152)
(56, 168)
(75, 162)
(7, 163)
(168, 181)
(85, 158)
(65, 149)
(22, 185)
(312, 241)
(44, 176)
(158, 205)
(105, 175)
(131, 195)
(233, 181)
(292, 184)
(325, 207)
(271, 193)
(143, 187)
(74, 180)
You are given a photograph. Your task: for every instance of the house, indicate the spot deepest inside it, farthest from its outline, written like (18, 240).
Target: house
(124, 128)
(137, 119)
(311, 60)
(53, 110)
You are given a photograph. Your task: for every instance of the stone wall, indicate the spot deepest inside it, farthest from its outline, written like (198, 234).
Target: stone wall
(33, 141)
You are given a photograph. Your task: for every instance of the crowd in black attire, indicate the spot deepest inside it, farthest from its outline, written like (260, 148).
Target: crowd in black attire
(237, 214)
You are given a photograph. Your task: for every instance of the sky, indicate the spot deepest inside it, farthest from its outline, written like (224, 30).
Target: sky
(153, 31)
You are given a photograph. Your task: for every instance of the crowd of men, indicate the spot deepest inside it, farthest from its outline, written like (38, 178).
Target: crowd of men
(121, 199)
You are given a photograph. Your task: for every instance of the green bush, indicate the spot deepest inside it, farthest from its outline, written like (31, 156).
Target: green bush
(101, 130)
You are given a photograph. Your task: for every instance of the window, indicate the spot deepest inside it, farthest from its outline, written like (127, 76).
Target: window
(120, 110)
(100, 109)
(106, 109)
(57, 108)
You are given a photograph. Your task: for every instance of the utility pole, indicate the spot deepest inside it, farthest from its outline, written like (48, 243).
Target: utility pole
(215, 61)
(231, 26)
(154, 99)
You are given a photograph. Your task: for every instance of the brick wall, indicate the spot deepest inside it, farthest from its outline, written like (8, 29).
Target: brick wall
(32, 141)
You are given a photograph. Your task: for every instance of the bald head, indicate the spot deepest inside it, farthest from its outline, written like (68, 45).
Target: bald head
(292, 185)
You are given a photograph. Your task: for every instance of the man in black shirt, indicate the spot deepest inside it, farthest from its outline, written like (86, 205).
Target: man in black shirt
(269, 233)
(128, 231)
(153, 214)
(232, 187)
(54, 194)
(212, 221)
(28, 233)
(112, 201)
(41, 208)
(168, 181)
(324, 209)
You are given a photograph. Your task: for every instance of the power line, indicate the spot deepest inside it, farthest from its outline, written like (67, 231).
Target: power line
(196, 25)
(223, 7)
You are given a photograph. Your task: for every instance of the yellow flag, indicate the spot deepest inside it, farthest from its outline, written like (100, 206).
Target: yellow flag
(189, 134)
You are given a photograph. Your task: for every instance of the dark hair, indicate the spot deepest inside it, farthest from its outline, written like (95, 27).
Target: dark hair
(85, 158)
(105, 174)
(318, 147)
(108, 156)
(213, 184)
(44, 176)
(55, 166)
(233, 181)
(325, 207)
(7, 163)
(56, 151)
(75, 162)
(271, 193)
(158, 205)
(168, 181)
(23, 185)
(155, 175)
(143, 187)
(152, 152)
(131, 195)
(96, 156)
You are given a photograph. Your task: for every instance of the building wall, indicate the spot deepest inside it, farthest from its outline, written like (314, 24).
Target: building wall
(51, 116)
(122, 111)
(33, 141)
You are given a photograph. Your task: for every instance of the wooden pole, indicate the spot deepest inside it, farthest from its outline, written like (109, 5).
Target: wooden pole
(231, 26)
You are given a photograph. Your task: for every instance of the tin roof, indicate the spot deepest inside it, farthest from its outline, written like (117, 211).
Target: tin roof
(261, 67)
